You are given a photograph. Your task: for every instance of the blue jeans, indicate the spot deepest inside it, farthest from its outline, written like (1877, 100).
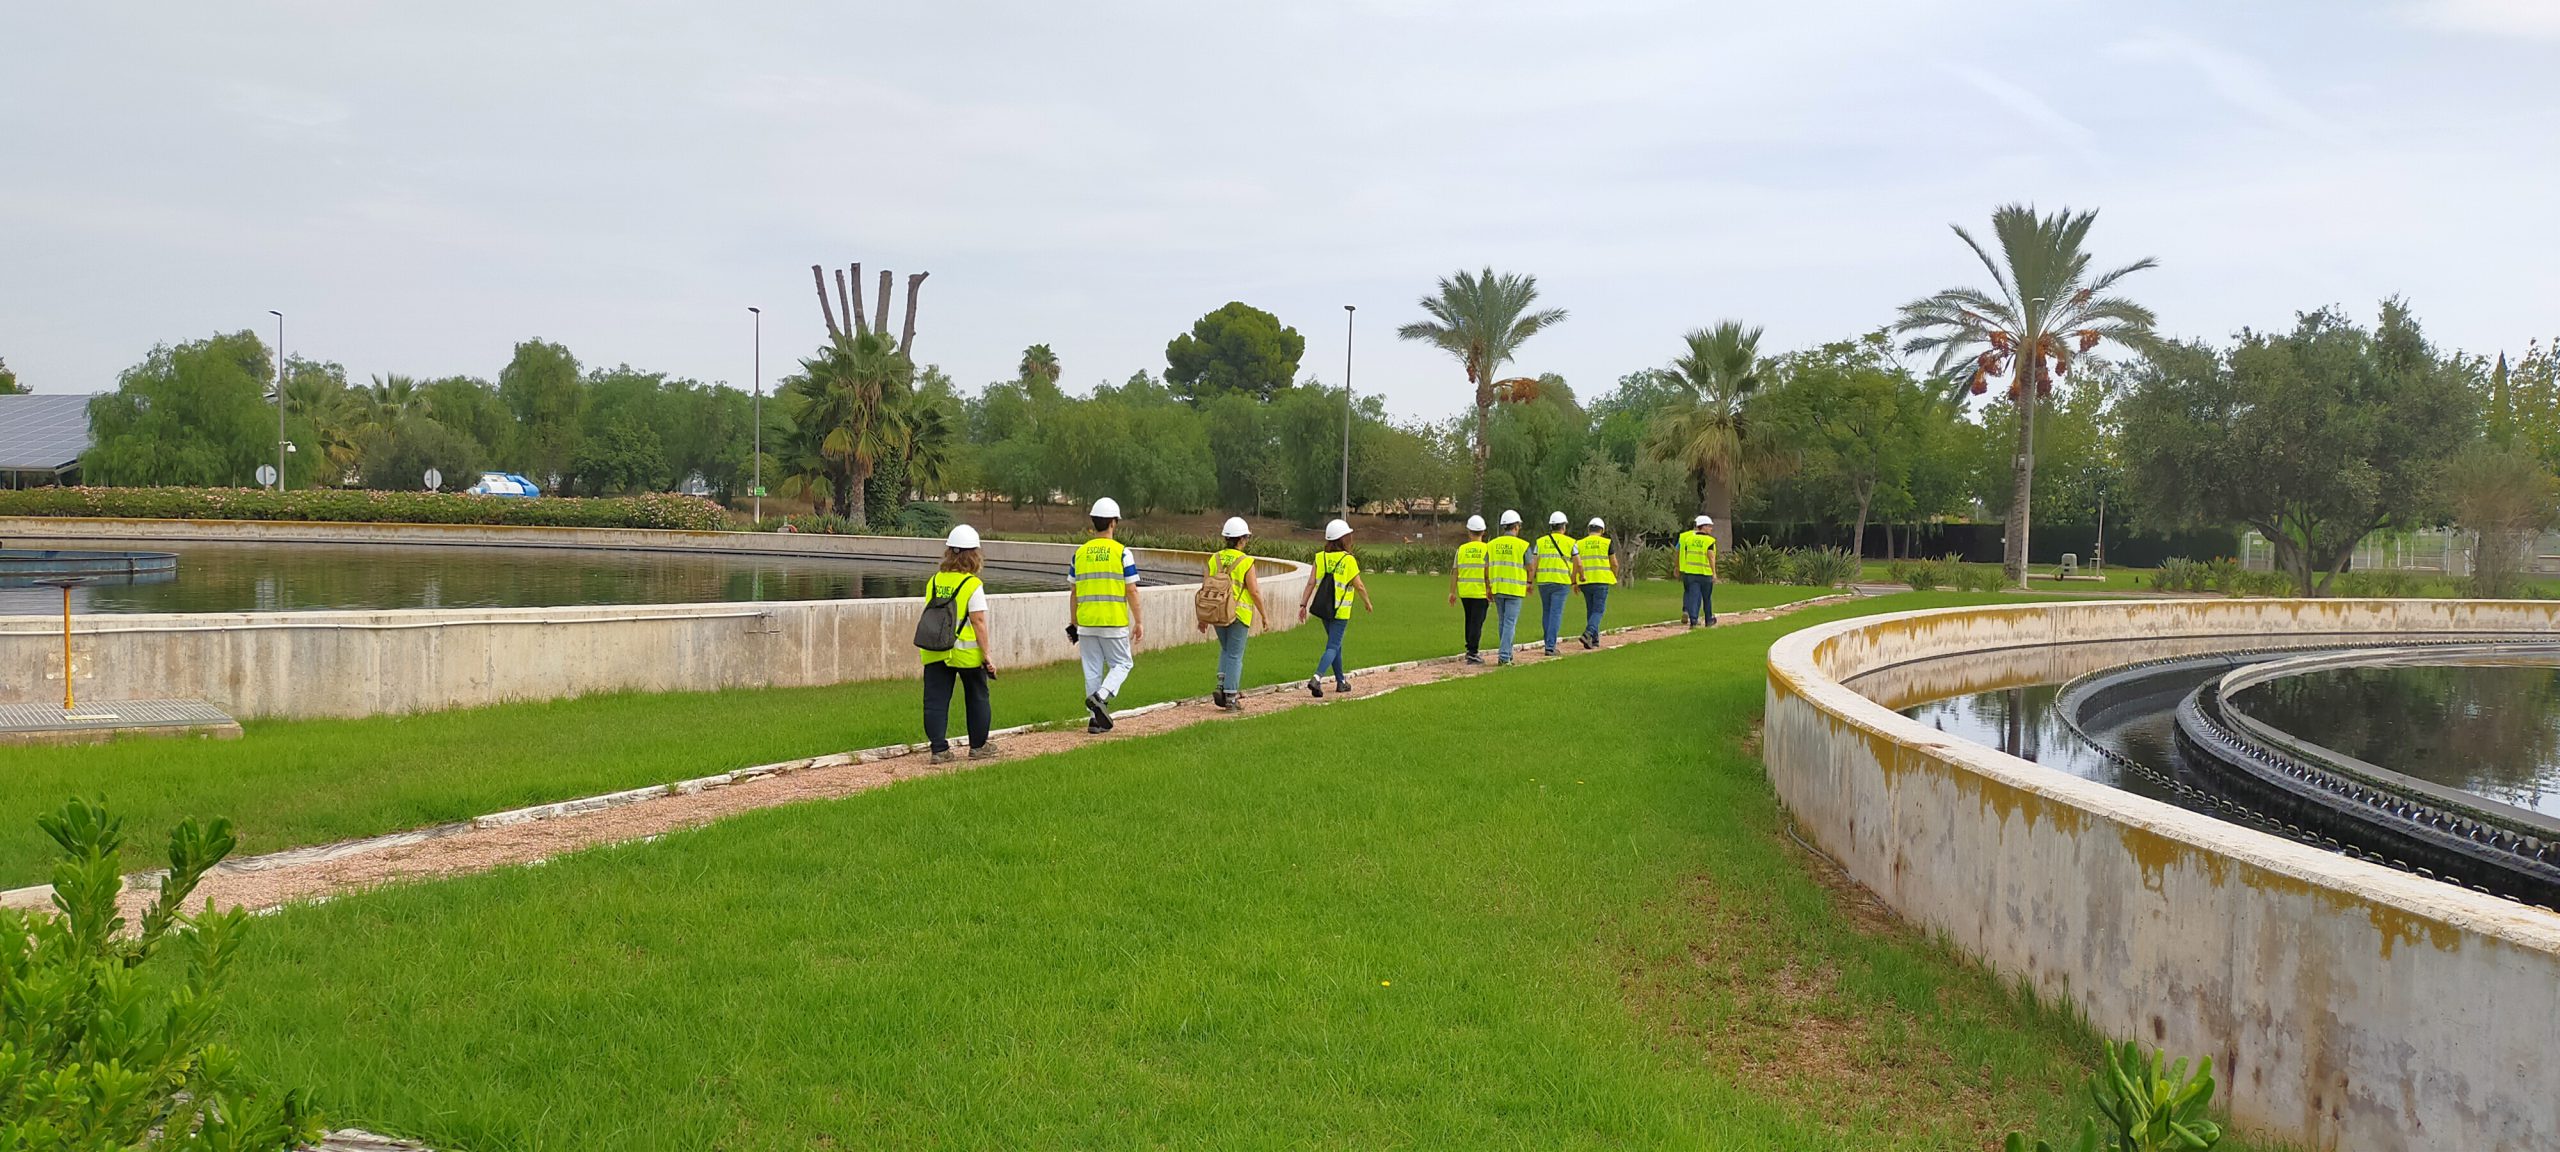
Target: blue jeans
(1334, 627)
(1595, 604)
(1551, 598)
(1506, 615)
(1697, 597)
(1231, 655)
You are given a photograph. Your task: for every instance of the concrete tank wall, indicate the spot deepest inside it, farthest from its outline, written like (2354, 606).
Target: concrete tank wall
(2346, 1005)
(308, 664)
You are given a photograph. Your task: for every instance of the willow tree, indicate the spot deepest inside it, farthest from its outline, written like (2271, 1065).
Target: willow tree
(2043, 309)
(1482, 319)
(1707, 431)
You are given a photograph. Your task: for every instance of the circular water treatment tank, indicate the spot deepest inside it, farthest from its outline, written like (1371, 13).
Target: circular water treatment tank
(28, 567)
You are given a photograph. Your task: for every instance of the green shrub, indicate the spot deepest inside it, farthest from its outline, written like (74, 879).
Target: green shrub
(2247, 583)
(2143, 1106)
(1761, 563)
(99, 1052)
(1924, 575)
(2178, 574)
(360, 506)
(1821, 567)
(1980, 578)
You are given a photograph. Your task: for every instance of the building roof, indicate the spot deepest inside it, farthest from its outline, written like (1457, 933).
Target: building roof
(42, 432)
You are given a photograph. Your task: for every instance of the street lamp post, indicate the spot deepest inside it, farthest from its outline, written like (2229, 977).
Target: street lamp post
(759, 416)
(279, 397)
(1348, 311)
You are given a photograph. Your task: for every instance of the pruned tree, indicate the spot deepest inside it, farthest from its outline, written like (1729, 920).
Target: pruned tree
(847, 304)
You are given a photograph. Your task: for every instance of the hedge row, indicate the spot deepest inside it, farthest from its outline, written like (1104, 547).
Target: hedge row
(351, 506)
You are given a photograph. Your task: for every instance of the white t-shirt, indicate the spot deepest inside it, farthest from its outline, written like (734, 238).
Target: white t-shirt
(977, 598)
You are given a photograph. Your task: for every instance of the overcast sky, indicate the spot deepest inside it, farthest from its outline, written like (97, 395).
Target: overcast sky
(418, 186)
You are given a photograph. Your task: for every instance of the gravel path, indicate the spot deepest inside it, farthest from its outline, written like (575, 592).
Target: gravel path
(535, 834)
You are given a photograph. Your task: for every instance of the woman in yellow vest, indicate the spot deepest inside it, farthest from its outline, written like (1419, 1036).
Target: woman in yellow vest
(1467, 585)
(1336, 578)
(965, 665)
(1506, 580)
(1600, 574)
(1698, 573)
(1557, 562)
(1245, 593)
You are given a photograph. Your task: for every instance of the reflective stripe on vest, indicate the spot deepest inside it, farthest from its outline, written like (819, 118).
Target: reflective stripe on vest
(1102, 585)
(1470, 569)
(964, 651)
(1595, 561)
(1697, 554)
(1506, 567)
(1554, 554)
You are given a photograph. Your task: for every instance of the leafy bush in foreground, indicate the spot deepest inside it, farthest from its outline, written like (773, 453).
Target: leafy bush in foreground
(96, 1054)
(357, 506)
(2146, 1106)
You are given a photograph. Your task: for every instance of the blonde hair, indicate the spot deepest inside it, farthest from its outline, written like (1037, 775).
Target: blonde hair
(963, 560)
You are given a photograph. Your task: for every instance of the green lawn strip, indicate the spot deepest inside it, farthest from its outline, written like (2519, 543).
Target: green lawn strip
(1547, 908)
(294, 783)
(2041, 578)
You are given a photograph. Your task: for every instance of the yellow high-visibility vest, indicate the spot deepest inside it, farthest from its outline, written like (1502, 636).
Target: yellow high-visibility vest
(1342, 568)
(964, 651)
(1102, 584)
(1697, 554)
(1506, 566)
(1595, 560)
(1235, 564)
(1555, 552)
(1470, 569)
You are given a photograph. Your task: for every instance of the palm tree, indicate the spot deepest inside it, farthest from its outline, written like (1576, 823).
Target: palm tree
(843, 402)
(1039, 364)
(2044, 309)
(1709, 432)
(1482, 320)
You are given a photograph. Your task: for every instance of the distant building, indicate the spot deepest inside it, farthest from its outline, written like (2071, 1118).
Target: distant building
(41, 439)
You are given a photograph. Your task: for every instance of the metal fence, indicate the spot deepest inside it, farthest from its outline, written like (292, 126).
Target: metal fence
(2438, 552)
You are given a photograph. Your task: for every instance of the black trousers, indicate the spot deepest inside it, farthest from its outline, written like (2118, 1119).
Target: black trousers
(938, 679)
(1475, 608)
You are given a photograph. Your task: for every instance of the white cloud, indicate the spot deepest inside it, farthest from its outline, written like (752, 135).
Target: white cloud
(2034, 110)
(2539, 19)
(2238, 80)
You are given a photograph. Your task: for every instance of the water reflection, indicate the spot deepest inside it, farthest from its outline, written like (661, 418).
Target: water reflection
(2023, 722)
(2492, 730)
(309, 577)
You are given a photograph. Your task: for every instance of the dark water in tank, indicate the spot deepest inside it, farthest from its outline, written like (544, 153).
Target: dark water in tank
(2023, 722)
(310, 577)
(2492, 730)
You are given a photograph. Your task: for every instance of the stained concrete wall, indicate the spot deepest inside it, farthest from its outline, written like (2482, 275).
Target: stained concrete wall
(2346, 1005)
(307, 664)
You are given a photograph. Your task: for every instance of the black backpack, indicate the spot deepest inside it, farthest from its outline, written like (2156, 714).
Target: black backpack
(1322, 608)
(938, 627)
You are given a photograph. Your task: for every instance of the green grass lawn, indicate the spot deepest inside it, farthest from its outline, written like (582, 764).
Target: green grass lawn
(292, 783)
(1547, 908)
(2040, 577)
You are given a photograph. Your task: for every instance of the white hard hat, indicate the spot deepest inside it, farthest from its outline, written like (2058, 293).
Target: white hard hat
(962, 536)
(1597, 522)
(1336, 530)
(1107, 508)
(1704, 520)
(1234, 527)
(1475, 523)
(1510, 516)
(1555, 517)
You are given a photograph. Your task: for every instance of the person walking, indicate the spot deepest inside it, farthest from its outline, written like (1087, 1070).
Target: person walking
(1557, 561)
(965, 665)
(1467, 586)
(1108, 624)
(1329, 591)
(1698, 573)
(1245, 592)
(1506, 577)
(1600, 573)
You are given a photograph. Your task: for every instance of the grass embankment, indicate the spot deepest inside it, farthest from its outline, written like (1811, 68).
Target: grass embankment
(1547, 908)
(2041, 578)
(292, 783)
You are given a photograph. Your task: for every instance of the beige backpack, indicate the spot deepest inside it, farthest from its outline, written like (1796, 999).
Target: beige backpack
(1215, 603)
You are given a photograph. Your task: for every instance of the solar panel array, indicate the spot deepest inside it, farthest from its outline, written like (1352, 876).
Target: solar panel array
(42, 432)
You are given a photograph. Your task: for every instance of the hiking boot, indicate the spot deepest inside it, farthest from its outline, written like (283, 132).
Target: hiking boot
(1315, 687)
(1219, 698)
(942, 757)
(1472, 658)
(1341, 687)
(1093, 705)
(1234, 703)
(983, 751)
(1588, 643)
(1094, 729)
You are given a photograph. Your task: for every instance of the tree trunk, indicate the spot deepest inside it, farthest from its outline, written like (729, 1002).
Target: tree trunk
(819, 274)
(907, 334)
(1720, 500)
(2022, 472)
(1484, 422)
(1858, 535)
(880, 307)
(854, 319)
(854, 510)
